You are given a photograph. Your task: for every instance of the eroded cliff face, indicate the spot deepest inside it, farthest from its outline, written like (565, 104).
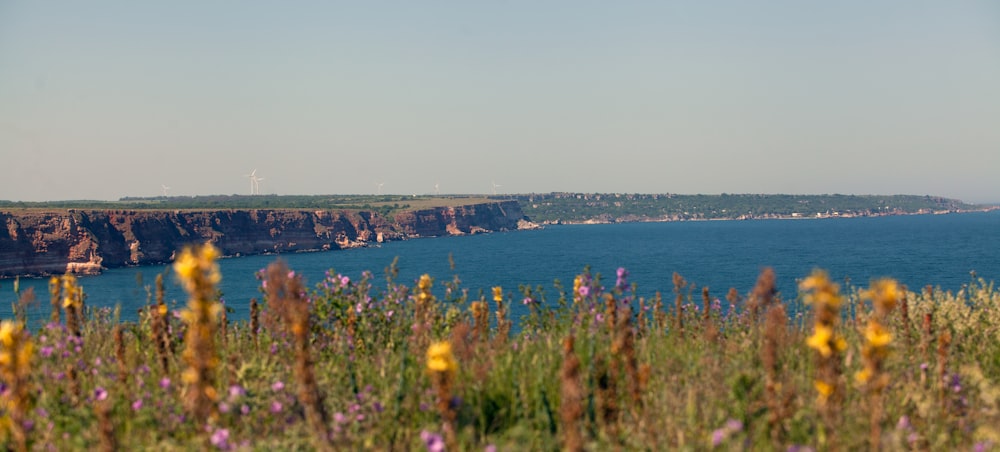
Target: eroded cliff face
(85, 242)
(498, 216)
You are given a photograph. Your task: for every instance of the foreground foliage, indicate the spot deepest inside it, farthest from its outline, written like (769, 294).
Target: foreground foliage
(364, 365)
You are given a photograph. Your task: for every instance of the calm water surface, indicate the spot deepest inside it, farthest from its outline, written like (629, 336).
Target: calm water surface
(939, 250)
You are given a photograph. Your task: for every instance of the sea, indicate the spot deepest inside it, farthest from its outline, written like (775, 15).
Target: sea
(945, 251)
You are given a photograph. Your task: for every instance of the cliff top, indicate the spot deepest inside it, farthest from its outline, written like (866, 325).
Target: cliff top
(386, 205)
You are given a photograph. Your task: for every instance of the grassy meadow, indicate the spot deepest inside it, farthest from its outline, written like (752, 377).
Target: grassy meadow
(376, 364)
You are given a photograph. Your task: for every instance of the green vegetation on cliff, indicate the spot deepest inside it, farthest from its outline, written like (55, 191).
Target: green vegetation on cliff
(385, 205)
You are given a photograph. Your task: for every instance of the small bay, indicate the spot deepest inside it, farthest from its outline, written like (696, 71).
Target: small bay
(918, 250)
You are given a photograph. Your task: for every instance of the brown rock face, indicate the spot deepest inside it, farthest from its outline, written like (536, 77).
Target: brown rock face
(85, 242)
(498, 216)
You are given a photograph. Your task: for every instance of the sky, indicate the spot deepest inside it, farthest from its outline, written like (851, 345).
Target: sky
(105, 99)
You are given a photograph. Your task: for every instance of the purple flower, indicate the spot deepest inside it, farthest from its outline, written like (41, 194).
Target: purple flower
(245, 409)
(527, 301)
(137, 405)
(236, 391)
(344, 280)
(718, 436)
(956, 383)
(277, 386)
(904, 423)
(622, 282)
(220, 439)
(339, 417)
(584, 291)
(276, 407)
(100, 394)
(164, 383)
(46, 351)
(433, 441)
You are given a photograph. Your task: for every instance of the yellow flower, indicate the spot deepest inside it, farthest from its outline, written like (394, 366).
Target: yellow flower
(577, 283)
(824, 292)
(863, 375)
(440, 358)
(820, 340)
(425, 282)
(816, 280)
(829, 297)
(498, 294)
(424, 288)
(190, 375)
(823, 388)
(876, 335)
(69, 282)
(840, 344)
(196, 265)
(8, 331)
(884, 292)
(16, 352)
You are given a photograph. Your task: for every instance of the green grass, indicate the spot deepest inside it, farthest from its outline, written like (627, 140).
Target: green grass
(701, 393)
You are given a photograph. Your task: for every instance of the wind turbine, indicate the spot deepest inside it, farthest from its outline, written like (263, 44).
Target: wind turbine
(164, 188)
(379, 188)
(253, 177)
(437, 188)
(254, 182)
(495, 187)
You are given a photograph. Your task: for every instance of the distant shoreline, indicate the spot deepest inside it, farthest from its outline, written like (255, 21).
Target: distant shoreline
(771, 217)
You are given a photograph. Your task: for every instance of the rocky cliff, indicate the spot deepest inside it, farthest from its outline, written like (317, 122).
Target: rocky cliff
(85, 242)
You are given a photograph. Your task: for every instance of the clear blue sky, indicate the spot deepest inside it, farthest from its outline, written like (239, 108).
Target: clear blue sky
(100, 100)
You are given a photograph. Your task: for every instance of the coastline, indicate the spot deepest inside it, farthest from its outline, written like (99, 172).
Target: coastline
(834, 215)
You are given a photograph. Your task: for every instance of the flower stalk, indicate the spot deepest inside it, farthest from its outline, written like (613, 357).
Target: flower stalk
(199, 273)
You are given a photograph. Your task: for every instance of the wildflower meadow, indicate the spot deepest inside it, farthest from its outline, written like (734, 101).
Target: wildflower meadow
(378, 364)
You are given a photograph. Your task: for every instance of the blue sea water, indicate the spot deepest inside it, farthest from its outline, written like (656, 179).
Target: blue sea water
(937, 250)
